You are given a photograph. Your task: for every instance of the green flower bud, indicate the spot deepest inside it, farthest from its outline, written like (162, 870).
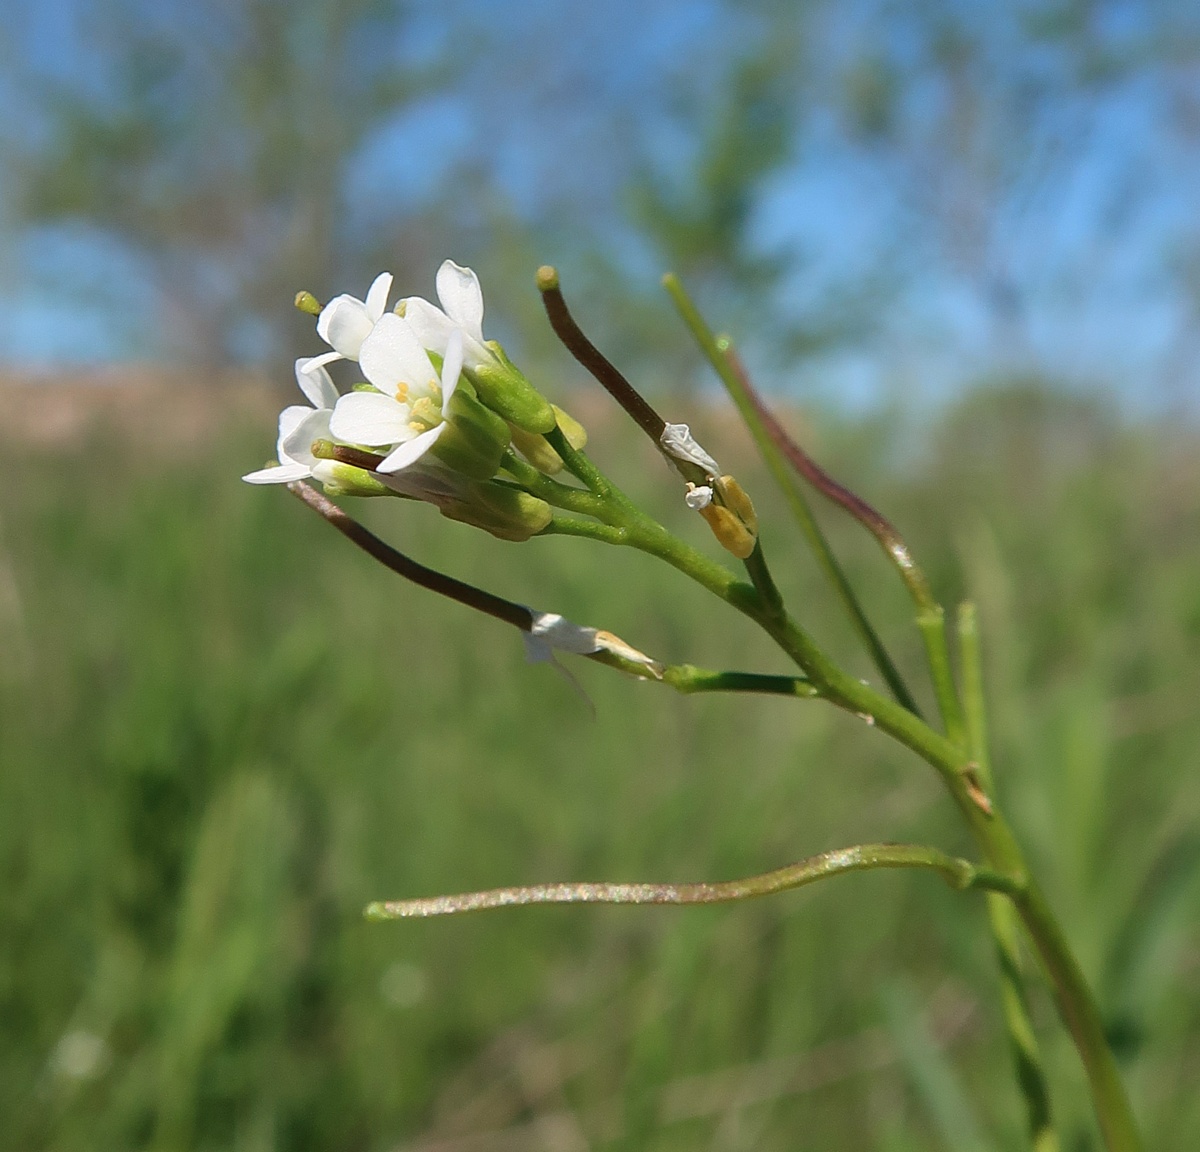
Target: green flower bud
(340, 479)
(504, 512)
(475, 438)
(539, 453)
(503, 388)
(307, 302)
(575, 432)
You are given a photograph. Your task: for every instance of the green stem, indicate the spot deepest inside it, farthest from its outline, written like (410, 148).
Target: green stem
(792, 492)
(1002, 915)
(959, 874)
(647, 536)
(689, 680)
(1076, 1003)
(760, 575)
(931, 622)
(556, 494)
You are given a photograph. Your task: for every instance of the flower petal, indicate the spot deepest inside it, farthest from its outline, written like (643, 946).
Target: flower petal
(559, 632)
(461, 296)
(344, 324)
(678, 444)
(392, 355)
(289, 420)
(370, 418)
(429, 479)
(280, 474)
(412, 451)
(315, 382)
(377, 295)
(430, 325)
(296, 446)
(451, 370)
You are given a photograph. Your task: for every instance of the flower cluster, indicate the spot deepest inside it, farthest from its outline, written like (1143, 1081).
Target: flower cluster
(433, 416)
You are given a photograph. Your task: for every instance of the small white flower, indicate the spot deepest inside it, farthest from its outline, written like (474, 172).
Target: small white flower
(300, 426)
(345, 322)
(461, 298)
(404, 413)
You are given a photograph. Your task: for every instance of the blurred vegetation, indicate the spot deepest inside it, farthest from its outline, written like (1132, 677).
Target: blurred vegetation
(224, 731)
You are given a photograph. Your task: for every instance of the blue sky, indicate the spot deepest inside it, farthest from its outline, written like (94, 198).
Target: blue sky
(1065, 241)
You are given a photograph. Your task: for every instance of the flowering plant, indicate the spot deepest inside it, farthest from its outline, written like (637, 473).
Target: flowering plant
(443, 416)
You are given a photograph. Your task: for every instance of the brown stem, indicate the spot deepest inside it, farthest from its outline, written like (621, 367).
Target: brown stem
(516, 614)
(608, 375)
(875, 522)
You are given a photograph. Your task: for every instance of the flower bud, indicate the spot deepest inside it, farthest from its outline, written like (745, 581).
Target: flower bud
(729, 530)
(538, 452)
(475, 438)
(734, 497)
(307, 302)
(340, 479)
(505, 512)
(504, 389)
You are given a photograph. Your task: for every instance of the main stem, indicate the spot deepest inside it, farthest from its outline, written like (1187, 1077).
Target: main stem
(992, 833)
(1001, 851)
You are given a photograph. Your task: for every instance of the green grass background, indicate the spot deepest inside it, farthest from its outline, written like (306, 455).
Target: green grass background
(224, 731)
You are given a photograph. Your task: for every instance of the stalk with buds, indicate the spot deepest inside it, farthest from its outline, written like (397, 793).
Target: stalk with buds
(434, 412)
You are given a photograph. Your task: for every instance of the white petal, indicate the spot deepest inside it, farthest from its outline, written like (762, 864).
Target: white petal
(537, 650)
(282, 474)
(392, 355)
(370, 418)
(344, 325)
(430, 325)
(678, 443)
(429, 479)
(698, 497)
(451, 370)
(377, 295)
(289, 420)
(296, 447)
(462, 298)
(411, 452)
(559, 632)
(315, 382)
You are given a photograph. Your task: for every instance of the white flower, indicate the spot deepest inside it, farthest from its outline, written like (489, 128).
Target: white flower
(300, 426)
(404, 413)
(345, 322)
(462, 311)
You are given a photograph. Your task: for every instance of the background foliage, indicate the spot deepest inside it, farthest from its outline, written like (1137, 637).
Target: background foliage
(961, 245)
(225, 731)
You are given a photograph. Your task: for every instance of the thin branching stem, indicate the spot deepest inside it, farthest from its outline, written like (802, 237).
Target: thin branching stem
(603, 369)
(959, 874)
(515, 614)
(738, 391)
(1002, 915)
